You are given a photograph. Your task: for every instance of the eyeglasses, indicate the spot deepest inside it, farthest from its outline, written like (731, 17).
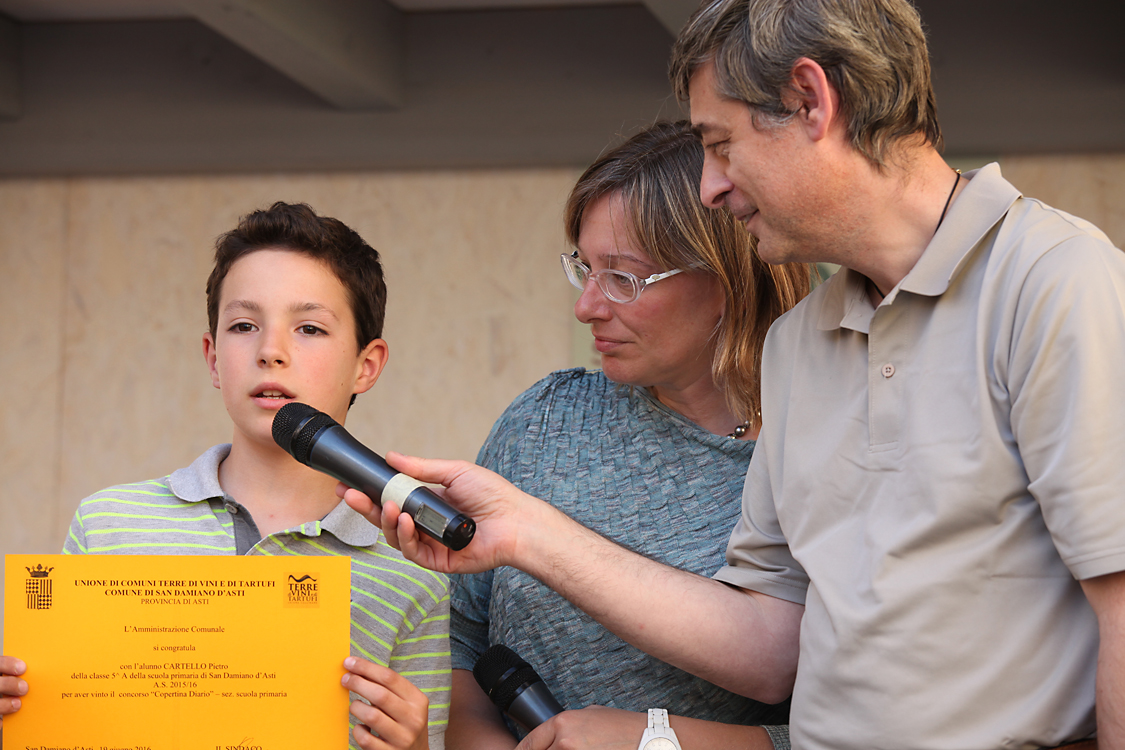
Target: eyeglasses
(619, 286)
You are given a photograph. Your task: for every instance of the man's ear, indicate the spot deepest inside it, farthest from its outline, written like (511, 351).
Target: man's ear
(211, 355)
(815, 100)
(371, 362)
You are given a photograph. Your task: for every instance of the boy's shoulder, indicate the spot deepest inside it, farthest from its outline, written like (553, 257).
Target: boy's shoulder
(156, 516)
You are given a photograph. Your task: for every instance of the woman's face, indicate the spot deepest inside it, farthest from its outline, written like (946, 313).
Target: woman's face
(664, 339)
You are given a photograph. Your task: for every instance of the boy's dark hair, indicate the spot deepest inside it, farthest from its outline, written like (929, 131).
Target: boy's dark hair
(296, 227)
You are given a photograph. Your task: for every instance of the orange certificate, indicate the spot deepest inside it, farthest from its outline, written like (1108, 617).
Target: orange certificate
(178, 653)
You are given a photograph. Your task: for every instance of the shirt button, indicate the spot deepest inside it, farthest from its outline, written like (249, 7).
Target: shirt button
(888, 370)
(232, 508)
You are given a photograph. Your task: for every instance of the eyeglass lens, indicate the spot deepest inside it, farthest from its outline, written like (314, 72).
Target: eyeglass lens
(619, 286)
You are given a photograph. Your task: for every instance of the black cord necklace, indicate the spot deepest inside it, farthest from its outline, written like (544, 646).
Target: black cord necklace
(956, 182)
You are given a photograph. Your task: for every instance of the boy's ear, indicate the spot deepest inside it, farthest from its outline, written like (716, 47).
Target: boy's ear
(211, 355)
(371, 362)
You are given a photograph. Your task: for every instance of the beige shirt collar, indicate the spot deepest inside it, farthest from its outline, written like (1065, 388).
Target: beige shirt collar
(981, 205)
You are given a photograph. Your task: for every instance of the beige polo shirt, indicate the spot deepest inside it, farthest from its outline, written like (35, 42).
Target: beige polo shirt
(934, 474)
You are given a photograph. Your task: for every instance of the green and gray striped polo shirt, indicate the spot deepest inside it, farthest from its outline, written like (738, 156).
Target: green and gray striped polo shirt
(400, 612)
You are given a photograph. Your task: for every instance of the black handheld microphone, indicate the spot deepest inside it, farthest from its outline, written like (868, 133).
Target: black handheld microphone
(317, 440)
(513, 685)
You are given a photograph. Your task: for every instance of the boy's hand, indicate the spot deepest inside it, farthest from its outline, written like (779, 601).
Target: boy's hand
(11, 686)
(506, 518)
(398, 714)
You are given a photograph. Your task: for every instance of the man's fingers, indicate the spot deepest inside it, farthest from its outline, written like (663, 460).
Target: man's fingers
(360, 503)
(390, 524)
(431, 470)
(407, 535)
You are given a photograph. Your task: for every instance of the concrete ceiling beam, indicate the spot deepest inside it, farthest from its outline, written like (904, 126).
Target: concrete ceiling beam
(348, 52)
(672, 14)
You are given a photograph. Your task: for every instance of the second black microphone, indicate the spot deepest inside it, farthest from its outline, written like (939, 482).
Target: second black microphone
(515, 687)
(318, 441)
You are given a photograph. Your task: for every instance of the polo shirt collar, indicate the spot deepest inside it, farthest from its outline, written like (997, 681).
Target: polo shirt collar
(981, 205)
(200, 481)
(845, 302)
(350, 527)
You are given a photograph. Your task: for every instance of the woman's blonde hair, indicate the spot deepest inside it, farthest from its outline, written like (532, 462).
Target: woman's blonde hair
(656, 173)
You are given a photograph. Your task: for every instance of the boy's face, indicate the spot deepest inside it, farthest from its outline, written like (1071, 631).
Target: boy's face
(286, 333)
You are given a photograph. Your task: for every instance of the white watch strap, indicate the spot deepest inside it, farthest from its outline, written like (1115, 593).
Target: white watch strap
(659, 733)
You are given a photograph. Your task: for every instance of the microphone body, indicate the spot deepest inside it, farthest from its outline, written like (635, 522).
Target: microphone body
(534, 705)
(318, 441)
(515, 687)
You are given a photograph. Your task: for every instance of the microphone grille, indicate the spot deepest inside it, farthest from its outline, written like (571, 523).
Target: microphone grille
(296, 425)
(502, 674)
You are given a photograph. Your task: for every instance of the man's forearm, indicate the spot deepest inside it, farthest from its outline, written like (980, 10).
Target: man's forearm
(743, 641)
(1107, 597)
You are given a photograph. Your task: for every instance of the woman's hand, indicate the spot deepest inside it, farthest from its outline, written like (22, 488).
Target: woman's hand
(398, 714)
(587, 729)
(598, 728)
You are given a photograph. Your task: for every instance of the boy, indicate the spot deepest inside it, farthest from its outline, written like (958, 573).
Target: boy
(295, 306)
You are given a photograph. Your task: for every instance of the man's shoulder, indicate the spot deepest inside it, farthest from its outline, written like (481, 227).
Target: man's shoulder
(1039, 247)
(1040, 224)
(1032, 230)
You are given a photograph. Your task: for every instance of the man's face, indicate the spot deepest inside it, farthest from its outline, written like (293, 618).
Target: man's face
(762, 176)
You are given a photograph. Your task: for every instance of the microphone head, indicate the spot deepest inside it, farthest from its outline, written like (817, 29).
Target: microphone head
(503, 675)
(295, 427)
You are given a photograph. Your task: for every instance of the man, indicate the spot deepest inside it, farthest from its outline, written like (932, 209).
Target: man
(931, 517)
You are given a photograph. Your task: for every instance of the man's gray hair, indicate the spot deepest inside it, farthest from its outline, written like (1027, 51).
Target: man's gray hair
(872, 51)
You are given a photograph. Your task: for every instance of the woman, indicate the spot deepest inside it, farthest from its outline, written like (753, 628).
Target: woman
(650, 452)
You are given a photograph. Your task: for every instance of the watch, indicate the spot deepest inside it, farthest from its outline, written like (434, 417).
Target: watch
(659, 735)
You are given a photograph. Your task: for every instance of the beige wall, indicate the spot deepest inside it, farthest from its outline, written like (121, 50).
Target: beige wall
(102, 307)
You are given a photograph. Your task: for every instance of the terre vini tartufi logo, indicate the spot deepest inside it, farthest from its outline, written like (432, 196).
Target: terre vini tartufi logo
(38, 587)
(302, 590)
